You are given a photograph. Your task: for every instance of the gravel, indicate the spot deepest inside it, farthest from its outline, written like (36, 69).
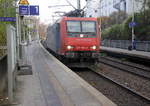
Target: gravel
(120, 96)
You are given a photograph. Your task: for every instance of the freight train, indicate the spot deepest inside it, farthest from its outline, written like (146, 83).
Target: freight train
(74, 40)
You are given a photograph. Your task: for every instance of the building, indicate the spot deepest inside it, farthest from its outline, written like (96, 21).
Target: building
(99, 8)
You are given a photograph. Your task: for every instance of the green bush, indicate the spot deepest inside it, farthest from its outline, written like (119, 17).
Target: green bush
(2, 34)
(115, 32)
(5, 12)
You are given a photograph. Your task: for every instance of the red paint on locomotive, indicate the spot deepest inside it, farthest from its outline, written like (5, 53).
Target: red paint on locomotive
(79, 41)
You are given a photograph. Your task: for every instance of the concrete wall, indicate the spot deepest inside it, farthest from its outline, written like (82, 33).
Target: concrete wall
(3, 75)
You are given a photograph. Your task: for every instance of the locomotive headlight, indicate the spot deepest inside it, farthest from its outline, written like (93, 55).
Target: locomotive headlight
(81, 35)
(93, 47)
(69, 47)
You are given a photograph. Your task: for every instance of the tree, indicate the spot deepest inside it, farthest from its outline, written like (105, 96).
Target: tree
(114, 18)
(117, 17)
(42, 30)
(103, 21)
(146, 4)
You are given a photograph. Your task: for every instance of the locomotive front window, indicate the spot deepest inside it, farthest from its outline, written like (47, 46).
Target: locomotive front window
(88, 26)
(73, 26)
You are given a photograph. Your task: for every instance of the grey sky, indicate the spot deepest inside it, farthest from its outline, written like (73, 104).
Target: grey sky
(47, 13)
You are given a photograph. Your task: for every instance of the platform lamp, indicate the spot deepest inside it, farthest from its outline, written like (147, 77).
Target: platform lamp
(133, 19)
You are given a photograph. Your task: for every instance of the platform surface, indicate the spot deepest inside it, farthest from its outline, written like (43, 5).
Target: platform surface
(53, 84)
(140, 54)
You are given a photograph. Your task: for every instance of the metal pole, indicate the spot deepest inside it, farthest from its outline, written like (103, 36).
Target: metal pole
(18, 29)
(10, 75)
(24, 31)
(18, 40)
(78, 4)
(133, 36)
(100, 18)
(29, 37)
(53, 18)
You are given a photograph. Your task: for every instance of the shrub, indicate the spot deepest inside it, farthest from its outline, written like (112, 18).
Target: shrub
(115, 32)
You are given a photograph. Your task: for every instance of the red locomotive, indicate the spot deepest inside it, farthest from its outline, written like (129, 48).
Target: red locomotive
(75, 40)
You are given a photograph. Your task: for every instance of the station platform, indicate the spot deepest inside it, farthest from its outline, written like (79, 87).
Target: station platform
(132, 53)
(53, 84)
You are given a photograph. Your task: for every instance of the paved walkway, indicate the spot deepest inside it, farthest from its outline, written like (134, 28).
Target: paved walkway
(140, 54)
(53, 84)
(36, 89)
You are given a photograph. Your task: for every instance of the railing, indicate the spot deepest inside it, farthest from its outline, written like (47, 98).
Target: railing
(124, 44)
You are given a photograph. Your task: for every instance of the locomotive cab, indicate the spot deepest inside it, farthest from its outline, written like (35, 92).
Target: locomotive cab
(81, 38)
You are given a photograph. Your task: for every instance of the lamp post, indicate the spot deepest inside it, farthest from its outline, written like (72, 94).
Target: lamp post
(133, 19)
(100, 17)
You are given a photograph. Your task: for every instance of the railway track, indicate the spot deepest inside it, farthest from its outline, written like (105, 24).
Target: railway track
(134, 92)
(126, 66)
(116, 92)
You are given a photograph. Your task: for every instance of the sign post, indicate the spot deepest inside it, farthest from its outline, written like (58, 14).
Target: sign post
(133, 18)
(23, 10)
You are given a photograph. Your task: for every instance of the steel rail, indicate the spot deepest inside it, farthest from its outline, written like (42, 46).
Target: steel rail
(123, 86)
(139, 72)
(138, 67)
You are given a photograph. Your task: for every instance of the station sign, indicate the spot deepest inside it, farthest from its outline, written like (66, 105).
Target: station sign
(28, 10)
(8, 19)
(34, 10)
(132, 24)
(23, 10)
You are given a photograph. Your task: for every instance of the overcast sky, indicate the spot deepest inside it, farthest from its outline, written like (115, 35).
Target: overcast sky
(47, 13)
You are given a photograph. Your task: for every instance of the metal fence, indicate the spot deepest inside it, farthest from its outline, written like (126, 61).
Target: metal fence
(124, 44)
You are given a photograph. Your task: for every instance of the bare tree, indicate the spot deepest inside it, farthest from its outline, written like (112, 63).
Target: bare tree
(42, 30)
